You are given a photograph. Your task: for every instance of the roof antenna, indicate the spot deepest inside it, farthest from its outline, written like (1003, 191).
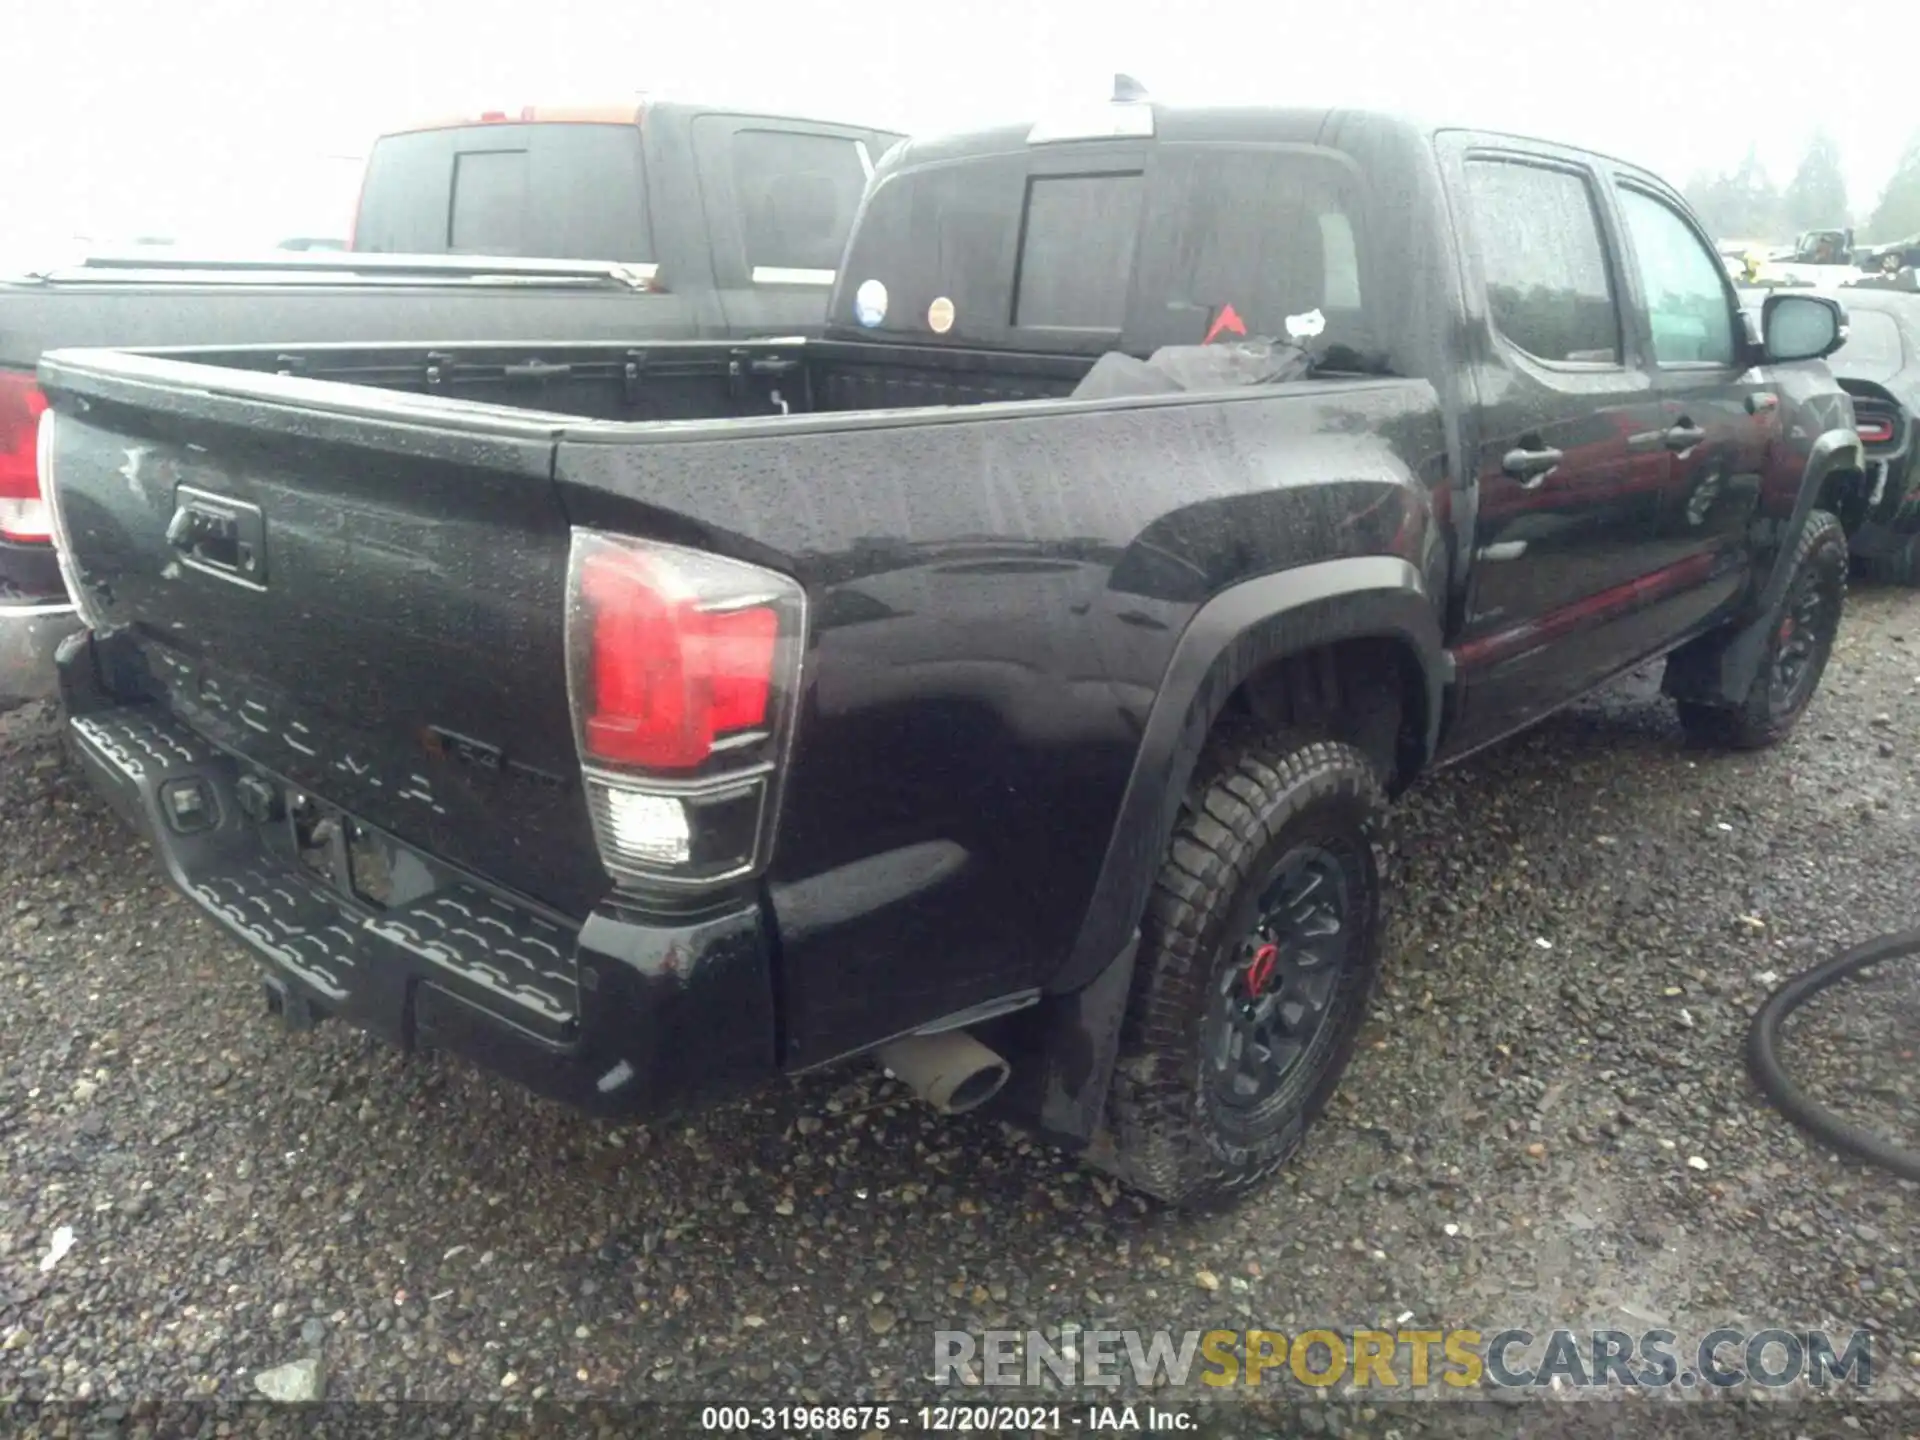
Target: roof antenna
(1127, 89)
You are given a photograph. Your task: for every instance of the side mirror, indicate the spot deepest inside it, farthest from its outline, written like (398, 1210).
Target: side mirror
(1802, 327)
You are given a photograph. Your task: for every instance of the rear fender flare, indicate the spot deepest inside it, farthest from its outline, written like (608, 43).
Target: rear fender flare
(1719, 667)
(1233, 635)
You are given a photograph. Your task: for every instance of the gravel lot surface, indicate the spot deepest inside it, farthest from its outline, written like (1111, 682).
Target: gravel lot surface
(1855, 1049)
(1549, 1123)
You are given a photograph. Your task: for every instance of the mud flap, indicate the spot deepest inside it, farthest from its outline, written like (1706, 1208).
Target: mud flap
(1063, 1052)
(1719, 667)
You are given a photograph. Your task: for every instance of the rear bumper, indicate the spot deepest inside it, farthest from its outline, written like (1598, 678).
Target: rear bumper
(29, 634)
(627, 1014)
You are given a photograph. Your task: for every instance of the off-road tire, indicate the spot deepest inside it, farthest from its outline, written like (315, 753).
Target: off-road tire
(1761, 720)
(1254, 801)
(1897, 567)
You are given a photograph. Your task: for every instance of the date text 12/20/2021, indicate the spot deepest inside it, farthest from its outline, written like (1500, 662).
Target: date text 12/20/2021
(944, 1419)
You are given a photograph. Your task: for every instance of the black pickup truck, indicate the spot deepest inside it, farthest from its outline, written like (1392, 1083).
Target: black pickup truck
(671, 221)
(1009, 685)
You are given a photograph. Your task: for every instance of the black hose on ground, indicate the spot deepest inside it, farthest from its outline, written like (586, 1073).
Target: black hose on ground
(1764, 1063)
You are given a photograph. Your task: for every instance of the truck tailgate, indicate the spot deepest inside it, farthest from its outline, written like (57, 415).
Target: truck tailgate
(358, 591)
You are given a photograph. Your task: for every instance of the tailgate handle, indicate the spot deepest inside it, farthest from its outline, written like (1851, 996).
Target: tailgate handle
(227, 537)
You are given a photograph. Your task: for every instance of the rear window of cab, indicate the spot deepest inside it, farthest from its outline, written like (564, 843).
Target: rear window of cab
(1191, 240)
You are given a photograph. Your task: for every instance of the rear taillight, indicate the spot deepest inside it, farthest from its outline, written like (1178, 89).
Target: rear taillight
(682, 671)
(669, 677)
(1875, 431)
(62, 540)
(23, 510)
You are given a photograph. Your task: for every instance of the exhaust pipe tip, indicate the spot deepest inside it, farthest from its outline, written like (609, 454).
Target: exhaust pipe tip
(951, 1071)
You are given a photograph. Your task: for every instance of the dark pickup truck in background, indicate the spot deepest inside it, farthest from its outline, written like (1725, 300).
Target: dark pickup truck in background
(1009, 685)
(751, 211)
(683, 222)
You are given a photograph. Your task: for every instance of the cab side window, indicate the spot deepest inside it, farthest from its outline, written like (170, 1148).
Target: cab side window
(797, 196)
(1683, 282)
(1545, 265)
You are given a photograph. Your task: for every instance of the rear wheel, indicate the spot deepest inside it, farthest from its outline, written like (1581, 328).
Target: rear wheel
(1797, 651)
(1257, 955)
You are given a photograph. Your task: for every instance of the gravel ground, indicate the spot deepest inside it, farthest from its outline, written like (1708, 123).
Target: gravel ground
(1853, 1049)
(1548, 1123)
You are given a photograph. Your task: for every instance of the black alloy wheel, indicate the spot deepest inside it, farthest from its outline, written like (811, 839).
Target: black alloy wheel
(1274, 1003)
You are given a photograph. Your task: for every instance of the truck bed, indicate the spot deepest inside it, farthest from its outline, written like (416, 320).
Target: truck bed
(627, 382)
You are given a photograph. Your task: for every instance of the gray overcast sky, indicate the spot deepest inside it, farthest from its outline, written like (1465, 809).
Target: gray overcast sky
(203, 118)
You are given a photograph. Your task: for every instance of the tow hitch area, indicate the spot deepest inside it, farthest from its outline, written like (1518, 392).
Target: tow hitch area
(288, 1005)
(349, 920)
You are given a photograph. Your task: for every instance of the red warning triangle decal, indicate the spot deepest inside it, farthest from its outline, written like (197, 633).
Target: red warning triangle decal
(1227, 322)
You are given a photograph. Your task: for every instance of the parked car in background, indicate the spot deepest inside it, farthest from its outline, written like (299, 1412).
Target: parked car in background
(1891, 259)
(643, 224)
(1879, 367)
(1012, 680)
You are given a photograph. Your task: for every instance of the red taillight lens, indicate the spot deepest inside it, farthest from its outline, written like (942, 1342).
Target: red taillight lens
(740, 660)
(23, 512)
(677, 658)
(683, 673)
(1876, 431)
(669, 678)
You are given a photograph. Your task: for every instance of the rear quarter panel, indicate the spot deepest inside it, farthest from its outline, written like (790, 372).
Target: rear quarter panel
(995, 596)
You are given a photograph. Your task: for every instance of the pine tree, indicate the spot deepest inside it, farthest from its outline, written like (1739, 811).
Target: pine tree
(1898, 214)
(1817, 197)
(1740, 205)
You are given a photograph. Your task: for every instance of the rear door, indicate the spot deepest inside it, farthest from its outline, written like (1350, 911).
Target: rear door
(779, 199)
(1567, 443)
(1716, 409)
